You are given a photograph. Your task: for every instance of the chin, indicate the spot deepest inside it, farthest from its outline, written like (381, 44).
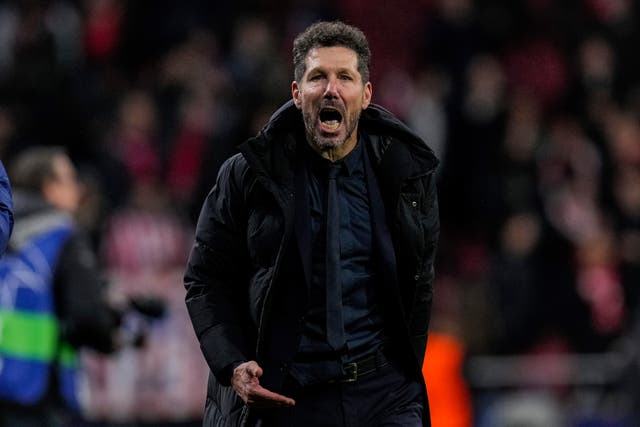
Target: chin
(328, 143)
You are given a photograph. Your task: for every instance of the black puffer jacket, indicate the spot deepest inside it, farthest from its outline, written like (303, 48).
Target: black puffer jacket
(243, 251)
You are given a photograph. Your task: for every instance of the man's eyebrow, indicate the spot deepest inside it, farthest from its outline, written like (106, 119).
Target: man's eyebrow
(322, 69)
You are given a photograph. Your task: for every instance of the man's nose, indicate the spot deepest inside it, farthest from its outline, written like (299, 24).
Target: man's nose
(331, 91)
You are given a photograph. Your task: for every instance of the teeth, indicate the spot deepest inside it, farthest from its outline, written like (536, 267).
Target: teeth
(331, 124)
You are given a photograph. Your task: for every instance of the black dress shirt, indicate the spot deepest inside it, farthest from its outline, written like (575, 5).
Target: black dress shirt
(362, 319)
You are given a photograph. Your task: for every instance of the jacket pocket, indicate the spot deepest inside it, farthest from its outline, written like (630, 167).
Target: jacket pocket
(223, 407)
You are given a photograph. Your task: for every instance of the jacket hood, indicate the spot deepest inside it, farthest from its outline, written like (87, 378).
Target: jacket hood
(374, 120)
(28, 203)
(33, 215)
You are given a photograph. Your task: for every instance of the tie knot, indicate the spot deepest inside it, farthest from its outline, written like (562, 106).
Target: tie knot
(334, 170)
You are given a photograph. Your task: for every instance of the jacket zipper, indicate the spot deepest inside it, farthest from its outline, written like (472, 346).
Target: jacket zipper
(266, 308)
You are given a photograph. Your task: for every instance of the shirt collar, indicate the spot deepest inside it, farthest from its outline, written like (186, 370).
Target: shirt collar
(351, 161)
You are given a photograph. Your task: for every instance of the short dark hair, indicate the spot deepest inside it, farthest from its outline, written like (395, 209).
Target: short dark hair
(329, 34)
(34, 166)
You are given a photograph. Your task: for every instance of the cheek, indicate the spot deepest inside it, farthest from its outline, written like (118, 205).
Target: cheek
(73, 199)
(299, 99)
(307, 107)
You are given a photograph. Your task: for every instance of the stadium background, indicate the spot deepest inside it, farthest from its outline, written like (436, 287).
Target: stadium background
(532, 105)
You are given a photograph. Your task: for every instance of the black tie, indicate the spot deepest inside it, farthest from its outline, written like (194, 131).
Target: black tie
(335, 325)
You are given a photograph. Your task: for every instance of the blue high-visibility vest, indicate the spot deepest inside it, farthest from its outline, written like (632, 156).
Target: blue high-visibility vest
(30, 344)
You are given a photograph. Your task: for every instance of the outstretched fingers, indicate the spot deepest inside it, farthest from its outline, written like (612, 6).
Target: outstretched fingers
(245, 382)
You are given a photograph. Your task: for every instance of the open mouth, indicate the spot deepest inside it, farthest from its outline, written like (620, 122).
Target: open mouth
(330, 118)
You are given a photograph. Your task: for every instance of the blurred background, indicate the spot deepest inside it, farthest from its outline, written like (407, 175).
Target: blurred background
(533, 106)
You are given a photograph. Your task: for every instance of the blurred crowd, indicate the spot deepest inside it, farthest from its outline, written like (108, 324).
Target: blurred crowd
(533, 107)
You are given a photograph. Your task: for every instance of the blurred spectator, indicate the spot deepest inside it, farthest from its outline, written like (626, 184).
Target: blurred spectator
(395, 51)
(452, 39)
(569, 179)
(516, 168)
(195, 113)
(622, 132)
(135, 137)
(23, 20)
(102, 29)
(303, 13)
(190, 146)
(538, 67)
(38, 49)
(517, 278)
(145, 246)
(627, 196)
(256, 77)
(599, 285)
(598, 77)
(533, 106)
(475, 129)
(52, 278)
(426, 110)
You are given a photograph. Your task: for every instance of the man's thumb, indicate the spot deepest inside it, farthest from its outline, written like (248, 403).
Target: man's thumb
(255, 370)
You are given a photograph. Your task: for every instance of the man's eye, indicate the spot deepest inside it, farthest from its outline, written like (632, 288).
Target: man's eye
(315, 77)
(345, 77)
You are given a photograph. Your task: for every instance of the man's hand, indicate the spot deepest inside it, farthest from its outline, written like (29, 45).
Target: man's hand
(245, 383)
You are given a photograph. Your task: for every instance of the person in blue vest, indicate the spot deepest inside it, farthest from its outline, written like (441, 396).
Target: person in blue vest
(6, 210)
(52, 297)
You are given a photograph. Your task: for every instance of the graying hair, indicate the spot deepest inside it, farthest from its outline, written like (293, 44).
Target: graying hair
(330, 34)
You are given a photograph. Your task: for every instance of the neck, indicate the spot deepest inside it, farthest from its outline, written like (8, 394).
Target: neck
(335, 153)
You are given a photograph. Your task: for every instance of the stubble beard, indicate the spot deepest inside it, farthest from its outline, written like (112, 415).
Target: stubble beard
(324, 144)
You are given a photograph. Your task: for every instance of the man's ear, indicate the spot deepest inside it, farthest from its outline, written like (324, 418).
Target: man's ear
(295, 93)
(366, 97)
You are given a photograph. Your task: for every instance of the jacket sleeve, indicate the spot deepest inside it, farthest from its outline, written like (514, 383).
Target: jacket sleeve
(423, 295)
(214, 277)
(87, 319)
(6, 210)
(431, 226)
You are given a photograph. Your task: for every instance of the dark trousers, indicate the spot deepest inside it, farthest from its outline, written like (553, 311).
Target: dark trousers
(385, 398)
